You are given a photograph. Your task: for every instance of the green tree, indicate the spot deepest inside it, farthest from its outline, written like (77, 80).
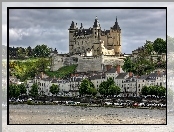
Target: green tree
(42, 64)
(54, 89)
(114, 90)
(14, 90)
(87, 88)
(161, 91)
(34, 90)
(23, 89)
(153, 90)
(148, 47)
(102, 88)
(159, 46)
(41, 51)
(17, 91)
(145, 90)
(128, 65)
(108, 88)
(29, 51)
(93, 91)
(11, 90)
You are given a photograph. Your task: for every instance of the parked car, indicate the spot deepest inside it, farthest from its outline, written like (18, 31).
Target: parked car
(108, 103)
(141, 104)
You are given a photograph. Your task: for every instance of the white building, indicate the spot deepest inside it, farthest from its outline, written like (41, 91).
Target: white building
(119, 80)
(141, 81)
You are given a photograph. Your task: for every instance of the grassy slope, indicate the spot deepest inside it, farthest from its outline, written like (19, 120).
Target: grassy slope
(62, 72)
(23, 66)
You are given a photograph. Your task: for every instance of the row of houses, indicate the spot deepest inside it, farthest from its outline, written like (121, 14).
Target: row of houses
(130, 85)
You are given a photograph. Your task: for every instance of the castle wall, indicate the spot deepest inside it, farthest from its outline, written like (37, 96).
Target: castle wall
(104, 38)
(59, 61)
(89, 64)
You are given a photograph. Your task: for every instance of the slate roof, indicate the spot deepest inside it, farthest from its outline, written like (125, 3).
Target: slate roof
(152, 76)
(121, 76)
(96, 77)
(112, 70)
(80, 32)
(130, 79)
(47, 79)
(54, 81)
(116, 26)
(143, 77)
(76, 79)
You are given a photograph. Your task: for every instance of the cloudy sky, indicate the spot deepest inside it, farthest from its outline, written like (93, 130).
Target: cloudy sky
(31, 27)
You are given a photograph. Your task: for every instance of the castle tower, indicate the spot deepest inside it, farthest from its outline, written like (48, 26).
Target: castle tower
(96, 36)
(72, 30)
(115, 33)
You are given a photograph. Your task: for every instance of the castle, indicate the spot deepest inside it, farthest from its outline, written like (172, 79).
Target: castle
(88, 42)
(93, 48)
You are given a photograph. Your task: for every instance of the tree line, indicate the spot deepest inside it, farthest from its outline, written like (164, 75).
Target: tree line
(23, 53)
(144, 63)
(106, 88)
(153, 90)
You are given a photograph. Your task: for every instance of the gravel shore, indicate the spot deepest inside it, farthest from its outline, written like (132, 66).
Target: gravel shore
(74, 115)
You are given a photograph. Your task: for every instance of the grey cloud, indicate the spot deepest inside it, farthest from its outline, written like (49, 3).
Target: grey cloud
(52, 25)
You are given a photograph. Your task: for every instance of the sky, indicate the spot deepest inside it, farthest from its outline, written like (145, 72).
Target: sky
(31, 27)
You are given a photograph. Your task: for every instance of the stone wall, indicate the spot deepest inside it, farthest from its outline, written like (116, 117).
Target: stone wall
(89, 64)
(59, 61)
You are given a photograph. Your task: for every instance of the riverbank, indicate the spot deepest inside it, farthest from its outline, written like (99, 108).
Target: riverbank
(89, 105)
(30, 114)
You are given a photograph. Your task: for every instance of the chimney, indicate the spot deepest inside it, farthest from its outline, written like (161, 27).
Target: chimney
(108, 67)
(42, 75)
(158, 72)
(118, 69)
(131, 74)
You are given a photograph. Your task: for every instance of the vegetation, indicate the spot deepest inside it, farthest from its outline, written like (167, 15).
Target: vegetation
(16, 90)
(143, 63)
(87, 88)
(109, 88)
(153, 90)
(27, 69)
(160, 46)
(23, 53)
(54, 89)
(63, 72)
(34, 92)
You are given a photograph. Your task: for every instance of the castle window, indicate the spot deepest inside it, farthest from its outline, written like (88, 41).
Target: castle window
(95, 36)
(95, 32)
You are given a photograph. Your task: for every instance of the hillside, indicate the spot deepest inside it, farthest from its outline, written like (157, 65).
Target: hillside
(62, 72)
(25, 69)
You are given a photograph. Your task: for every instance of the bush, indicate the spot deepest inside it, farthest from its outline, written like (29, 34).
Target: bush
(29, 102)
